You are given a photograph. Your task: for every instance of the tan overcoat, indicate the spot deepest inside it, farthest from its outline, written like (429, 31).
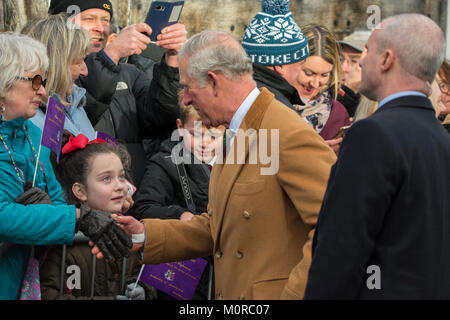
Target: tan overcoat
(259, 228)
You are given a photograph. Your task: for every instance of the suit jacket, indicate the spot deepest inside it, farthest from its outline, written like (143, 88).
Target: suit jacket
(384, 227)
(259, 228)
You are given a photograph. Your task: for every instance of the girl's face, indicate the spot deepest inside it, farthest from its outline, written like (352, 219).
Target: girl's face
(106, 187)
(314, 77)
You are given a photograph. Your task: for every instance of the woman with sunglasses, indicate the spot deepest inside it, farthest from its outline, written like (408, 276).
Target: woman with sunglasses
(67, 48)
(34, 217)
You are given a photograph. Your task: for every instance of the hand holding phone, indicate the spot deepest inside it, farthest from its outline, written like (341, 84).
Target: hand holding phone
(161, 15)
(342, 132)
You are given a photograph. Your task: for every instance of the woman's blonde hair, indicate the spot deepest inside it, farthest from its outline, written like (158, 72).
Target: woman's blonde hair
(322, 42)
(66, 44)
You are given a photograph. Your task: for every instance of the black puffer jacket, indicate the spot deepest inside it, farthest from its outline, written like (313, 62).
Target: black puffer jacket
(107, 283)
(160, 195)
(127, 104)
(276, 84)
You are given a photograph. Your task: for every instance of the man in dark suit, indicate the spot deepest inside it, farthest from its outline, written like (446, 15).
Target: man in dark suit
(384, 227)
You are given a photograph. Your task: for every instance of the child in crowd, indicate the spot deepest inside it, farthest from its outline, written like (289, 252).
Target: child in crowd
(161, 195)
(93, 174)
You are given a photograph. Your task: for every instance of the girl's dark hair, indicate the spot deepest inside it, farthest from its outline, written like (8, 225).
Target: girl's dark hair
(75, 166)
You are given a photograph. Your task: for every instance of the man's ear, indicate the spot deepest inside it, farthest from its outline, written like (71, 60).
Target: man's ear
(388, 59)
(215, 81)
(79, 191)
(279, 69)
(180, 127)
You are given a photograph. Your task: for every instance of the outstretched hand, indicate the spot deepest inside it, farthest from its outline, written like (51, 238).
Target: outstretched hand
(130, 40)
(128, 224)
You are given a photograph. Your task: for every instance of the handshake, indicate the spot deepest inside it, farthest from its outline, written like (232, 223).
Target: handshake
(130, 226)
(110, 240)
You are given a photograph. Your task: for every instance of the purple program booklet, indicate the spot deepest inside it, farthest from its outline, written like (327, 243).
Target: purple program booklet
(178, 279)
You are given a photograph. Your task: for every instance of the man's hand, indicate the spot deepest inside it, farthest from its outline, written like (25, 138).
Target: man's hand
(186, 216)
(172, 38)
(335, 144)
(129, 41)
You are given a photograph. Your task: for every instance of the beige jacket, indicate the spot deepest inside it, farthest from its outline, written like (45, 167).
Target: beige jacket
(259, 228)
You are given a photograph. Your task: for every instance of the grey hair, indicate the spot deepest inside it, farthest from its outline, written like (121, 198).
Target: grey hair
(19, 54)
(215, 51)
(418, 42)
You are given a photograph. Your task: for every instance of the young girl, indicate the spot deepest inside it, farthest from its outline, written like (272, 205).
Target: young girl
(93, 174)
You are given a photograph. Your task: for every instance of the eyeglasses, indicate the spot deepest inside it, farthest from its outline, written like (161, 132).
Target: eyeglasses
(36, 81)
(443, 86)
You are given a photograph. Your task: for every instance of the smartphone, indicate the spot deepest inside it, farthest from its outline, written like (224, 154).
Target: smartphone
(163, 14)
(342, 132)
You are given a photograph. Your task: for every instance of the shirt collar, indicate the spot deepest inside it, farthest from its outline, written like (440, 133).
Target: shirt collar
(241, 112)
(399, 95)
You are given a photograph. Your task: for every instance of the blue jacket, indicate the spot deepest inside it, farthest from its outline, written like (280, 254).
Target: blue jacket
(77, 120)
(23, 226)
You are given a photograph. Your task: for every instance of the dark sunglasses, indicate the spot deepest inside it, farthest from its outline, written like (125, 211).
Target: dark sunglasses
(36, 81)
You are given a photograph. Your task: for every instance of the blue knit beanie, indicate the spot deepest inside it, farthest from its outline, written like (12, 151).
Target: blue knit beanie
(273, 38)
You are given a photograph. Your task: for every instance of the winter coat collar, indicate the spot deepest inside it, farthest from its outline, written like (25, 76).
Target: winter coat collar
(8, 127)
(272, 79)
(76, 100)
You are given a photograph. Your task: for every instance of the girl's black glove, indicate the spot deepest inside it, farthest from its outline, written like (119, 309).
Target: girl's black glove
(105, 233)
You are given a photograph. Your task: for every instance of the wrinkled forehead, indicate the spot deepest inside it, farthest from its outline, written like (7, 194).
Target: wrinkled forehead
(95, 12)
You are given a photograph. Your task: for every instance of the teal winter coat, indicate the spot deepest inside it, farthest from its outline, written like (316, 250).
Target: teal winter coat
(22, 226)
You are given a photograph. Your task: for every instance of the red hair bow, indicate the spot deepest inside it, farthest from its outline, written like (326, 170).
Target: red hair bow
(79, 142)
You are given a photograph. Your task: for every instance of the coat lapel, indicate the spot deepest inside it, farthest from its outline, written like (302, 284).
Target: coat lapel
(225, 175)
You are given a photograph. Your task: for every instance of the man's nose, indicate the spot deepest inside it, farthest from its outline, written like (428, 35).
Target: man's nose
(346, 66)
(99, 27)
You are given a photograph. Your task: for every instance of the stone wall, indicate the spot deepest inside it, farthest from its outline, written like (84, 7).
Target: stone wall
(342, 16)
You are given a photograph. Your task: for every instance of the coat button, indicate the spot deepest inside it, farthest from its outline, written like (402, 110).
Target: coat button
(218, 255)
(239, 255)
(246, 215)
(210, 213)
